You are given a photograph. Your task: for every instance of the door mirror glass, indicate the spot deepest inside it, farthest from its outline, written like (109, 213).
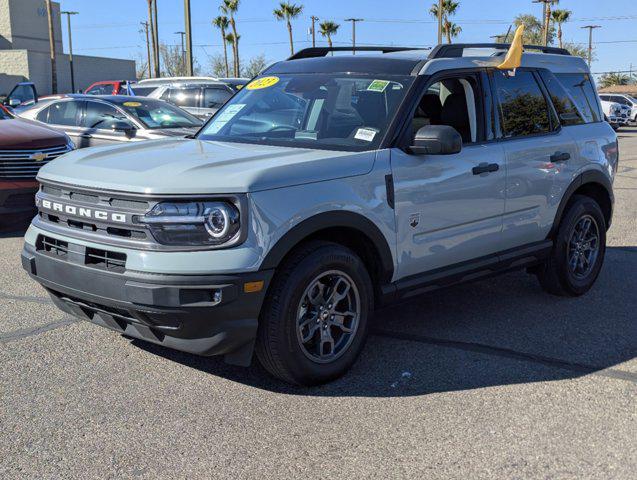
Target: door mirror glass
(14, 102)
(121, 127)
(436, 140)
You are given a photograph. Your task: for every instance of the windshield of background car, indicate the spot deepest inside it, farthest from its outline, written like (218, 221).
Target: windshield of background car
(323, 111)
(155, 114)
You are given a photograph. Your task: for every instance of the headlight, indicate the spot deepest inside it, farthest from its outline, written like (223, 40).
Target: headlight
(193, 223)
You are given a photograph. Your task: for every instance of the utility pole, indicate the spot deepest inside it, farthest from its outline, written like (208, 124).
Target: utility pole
(156, 40)
(183, 45)
(354, 20)
(314, 19)
(150, 62)
(54, 74)
(68, 24)
(439, 22)
(590, 42)
(189, 65)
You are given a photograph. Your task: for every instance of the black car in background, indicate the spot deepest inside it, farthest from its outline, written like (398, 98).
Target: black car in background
(92, 120)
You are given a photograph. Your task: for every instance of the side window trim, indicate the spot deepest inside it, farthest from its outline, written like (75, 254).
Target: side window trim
(554, 119)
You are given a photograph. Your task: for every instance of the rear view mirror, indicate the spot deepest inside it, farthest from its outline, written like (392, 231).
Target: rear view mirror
(122, 127)
(436, 140)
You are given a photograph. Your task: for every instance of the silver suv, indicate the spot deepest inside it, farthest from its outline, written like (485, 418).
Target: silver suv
(329, 186)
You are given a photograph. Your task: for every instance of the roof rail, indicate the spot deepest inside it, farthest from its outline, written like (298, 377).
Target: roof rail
(313, 52)
(457, 49)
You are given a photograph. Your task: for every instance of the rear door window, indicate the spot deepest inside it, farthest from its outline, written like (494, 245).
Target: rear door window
(564, 104)
(183, 97)
(580, 86)
(65, 113)
(523, 107)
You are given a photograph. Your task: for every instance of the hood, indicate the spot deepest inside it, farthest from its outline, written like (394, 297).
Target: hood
(18, 133)
(184, 166)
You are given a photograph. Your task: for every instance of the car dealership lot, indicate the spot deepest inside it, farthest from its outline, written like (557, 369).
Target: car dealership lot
(486, 380)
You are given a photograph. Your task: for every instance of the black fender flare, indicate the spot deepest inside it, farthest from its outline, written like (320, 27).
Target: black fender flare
(589, 176)
(331, 219)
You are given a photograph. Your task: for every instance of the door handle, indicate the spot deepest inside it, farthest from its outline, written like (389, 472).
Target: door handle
(86, 135)
(485, 168)
(560, 157)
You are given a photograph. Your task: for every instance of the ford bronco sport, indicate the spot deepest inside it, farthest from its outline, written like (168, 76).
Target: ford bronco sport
(326, 187)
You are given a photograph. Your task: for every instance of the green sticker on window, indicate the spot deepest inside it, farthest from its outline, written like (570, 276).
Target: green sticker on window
(378, 86)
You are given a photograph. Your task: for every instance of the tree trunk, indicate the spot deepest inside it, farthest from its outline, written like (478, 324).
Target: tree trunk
(225, 51)
(559, 34)
(235, 47)
(448, 31)
(329, 41)
(547, 24)
(291, 41)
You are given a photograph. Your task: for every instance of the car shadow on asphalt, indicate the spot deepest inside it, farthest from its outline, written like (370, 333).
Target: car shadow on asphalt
(501, 331)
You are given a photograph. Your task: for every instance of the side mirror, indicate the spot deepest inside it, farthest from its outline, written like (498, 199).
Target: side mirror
(14, 102)
(436, 140)
(122, 127)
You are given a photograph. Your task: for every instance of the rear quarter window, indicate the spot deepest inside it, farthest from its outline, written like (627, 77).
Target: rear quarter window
(564, 104)
(582, 91)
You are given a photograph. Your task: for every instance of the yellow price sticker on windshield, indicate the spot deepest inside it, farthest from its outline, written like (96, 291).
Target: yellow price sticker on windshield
(132, 104)
(265, 82)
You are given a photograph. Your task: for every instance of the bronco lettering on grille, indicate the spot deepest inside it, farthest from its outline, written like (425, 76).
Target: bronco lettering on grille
(84, 212)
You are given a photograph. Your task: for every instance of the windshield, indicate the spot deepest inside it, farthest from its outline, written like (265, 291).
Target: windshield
(331, 111)
(143, 91)
(156, 114)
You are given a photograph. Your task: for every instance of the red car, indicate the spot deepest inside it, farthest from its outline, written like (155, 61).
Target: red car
(109, 87)
(24, 147)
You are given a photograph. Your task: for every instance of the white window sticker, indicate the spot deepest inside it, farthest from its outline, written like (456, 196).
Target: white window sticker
(366, 134)
(227, 115)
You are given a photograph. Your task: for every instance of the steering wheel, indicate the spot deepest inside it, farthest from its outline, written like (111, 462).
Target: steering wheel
(282, 128)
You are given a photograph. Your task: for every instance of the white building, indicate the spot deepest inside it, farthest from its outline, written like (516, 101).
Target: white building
(24, 51)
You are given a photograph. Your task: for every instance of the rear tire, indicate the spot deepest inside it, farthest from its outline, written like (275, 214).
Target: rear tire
(315, 319)
(578, 251)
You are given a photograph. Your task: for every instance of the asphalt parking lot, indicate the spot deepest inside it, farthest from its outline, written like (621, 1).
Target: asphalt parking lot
(486, 380)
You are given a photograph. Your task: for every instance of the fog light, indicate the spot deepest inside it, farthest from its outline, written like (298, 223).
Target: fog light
(216, 297)
(253, 287)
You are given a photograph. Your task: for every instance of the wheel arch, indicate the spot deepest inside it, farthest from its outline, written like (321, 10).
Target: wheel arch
(350, 229)
(591, 183)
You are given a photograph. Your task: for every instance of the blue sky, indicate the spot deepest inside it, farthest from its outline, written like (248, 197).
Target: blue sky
(111, 27)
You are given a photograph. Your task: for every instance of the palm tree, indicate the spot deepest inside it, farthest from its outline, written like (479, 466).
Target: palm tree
(547, 19)
(229, 8)
(451, 30)
(449, 8)
(222, 23)
(327, 29)
(234, 41)
(287, 11)
(614, 78)
(560, 17)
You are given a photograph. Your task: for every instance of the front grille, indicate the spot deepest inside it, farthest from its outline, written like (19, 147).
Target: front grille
(20, 163)
(88, 256)
(113, 261)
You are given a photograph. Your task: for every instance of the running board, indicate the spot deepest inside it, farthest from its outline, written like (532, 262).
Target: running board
(495, 264)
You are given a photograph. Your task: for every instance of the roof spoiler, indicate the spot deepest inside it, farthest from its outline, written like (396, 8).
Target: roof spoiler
(455, 50)
(314, 52)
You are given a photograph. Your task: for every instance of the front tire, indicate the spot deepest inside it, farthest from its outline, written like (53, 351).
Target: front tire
(314, 322)
(578, 251)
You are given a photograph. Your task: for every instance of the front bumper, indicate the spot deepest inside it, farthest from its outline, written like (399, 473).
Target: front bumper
(17, 197)
(177, 311)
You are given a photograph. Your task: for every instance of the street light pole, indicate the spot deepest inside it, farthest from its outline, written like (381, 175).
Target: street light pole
(354, 20)
(183, 45)
(68, 24)
(145, 25)
(590, 42)
(156, 40)
(189, 65)
(54, 74)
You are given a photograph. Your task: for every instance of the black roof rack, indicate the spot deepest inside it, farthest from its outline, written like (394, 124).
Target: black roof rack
(314, 52)
(455, 50)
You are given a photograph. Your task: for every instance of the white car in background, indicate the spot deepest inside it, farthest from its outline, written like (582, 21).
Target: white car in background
(616, 115)
(623, 99)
